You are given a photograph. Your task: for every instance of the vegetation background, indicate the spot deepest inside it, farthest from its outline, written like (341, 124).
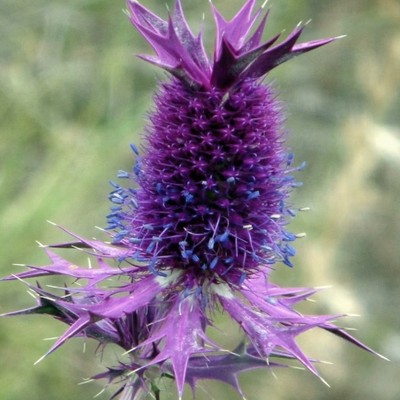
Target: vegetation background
(72, 99)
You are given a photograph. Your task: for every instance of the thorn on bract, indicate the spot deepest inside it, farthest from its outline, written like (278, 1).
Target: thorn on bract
(40, 359)
(324, 381)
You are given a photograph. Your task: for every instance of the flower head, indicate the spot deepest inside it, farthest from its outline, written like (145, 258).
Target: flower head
(201, 221)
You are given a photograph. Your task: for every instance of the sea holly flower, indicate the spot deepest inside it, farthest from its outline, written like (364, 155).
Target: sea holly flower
(200, 223)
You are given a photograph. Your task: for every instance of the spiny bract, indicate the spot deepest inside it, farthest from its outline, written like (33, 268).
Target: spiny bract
(201, 221)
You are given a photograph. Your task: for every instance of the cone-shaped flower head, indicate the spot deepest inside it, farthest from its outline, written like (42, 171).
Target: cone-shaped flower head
(214, 175)
(201, 221)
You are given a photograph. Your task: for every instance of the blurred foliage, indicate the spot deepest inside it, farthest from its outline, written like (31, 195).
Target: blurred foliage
(72, 99)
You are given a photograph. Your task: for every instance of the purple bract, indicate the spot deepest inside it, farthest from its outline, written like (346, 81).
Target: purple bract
(201, 221)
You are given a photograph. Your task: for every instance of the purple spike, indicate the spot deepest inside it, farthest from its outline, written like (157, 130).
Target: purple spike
(193, 45)
(141, 293)
(282, 53)
(255, 39)
(340, 332)
(236, 30)
(100, 248)
(78, 326)
(141, 16)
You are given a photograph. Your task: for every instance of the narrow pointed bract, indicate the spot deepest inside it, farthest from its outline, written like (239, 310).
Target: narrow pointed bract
(200, 223)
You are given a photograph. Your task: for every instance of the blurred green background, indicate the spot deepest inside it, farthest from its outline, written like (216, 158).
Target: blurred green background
(72, 99)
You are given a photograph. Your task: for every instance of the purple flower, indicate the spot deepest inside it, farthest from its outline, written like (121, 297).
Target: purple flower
(201, 222)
